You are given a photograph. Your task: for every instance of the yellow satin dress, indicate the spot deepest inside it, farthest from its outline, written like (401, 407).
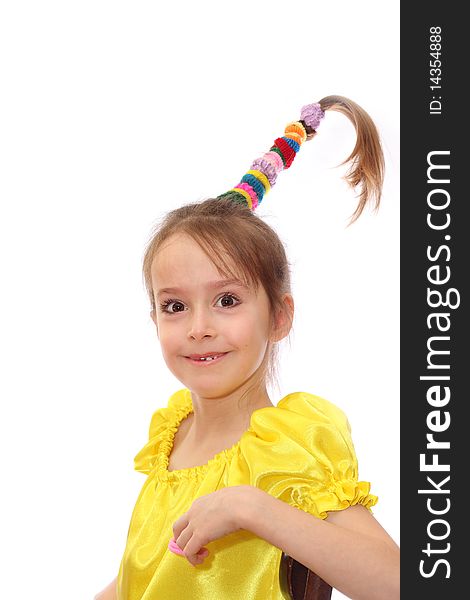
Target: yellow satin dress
(299, 451)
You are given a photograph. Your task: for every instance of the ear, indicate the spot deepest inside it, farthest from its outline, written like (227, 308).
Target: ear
(284, 319)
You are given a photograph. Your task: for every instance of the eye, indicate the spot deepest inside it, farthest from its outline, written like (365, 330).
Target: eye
(166, 303)
(178, 306)
(228, 296)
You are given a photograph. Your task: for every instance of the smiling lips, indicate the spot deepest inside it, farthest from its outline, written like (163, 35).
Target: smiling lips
(208, 358)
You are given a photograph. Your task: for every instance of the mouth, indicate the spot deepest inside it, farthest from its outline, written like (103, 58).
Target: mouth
(205, 359)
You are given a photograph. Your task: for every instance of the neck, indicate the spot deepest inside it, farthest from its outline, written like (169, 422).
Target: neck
(215, 417)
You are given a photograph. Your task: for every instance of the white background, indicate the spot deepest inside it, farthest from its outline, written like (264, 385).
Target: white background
(112, 113)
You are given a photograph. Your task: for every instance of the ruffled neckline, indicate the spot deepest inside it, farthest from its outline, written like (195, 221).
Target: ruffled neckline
(181, 410)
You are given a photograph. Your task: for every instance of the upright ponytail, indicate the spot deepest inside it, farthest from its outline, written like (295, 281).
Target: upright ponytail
(366, 160)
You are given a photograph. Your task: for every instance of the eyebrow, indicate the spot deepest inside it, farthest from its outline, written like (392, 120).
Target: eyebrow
(211, 285)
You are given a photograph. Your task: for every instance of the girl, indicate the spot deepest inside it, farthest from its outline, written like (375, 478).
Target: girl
(233, 481)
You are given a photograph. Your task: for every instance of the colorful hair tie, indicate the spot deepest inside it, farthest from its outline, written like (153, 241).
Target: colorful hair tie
(261, 177)
(173, 546)
(278, 151)
(275, 159)
(312, 114)
(245, 195)
(294, 136)
(267, 168)
(287, 152)
(250, 191)
(263, 172)
(297, 128)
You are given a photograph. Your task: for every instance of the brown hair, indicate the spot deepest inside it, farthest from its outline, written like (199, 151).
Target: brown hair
(222, 227)
(366, 160)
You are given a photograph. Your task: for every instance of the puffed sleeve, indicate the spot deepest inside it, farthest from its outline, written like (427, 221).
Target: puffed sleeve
(302, 453)
(162, 419)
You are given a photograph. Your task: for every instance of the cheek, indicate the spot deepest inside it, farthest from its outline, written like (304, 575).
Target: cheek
(241, 329)
(251, 331)
(167, 336)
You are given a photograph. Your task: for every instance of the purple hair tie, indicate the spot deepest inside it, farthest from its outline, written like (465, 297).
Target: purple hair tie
(312, 114)
(267, 168)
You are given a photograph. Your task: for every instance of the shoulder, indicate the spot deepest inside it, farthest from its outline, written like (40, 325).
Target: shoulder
(303, 429)
(301, 451)
(303, 420)
(178, 404)
(162, 424)
(313, 408)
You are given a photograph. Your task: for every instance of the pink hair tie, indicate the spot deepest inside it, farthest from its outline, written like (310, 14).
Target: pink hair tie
(275, 160)
(173, 546)
(250, 191)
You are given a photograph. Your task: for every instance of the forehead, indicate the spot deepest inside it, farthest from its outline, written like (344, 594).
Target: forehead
(180, 258)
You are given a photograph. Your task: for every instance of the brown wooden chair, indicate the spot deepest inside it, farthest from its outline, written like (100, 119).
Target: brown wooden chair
(299, 583)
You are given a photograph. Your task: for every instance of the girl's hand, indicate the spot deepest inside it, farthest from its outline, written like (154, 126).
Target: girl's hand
(210, 517)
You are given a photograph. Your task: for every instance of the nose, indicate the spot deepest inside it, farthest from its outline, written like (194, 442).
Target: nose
(201, 324)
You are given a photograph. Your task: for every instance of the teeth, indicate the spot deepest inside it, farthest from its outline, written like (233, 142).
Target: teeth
(208, 357)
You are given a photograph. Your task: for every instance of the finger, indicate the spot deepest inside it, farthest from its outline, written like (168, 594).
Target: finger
(184, 537)
(179, 525)
(194, 550)
(201, 556)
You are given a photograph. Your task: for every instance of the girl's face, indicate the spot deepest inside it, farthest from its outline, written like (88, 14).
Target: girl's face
(197, 313)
